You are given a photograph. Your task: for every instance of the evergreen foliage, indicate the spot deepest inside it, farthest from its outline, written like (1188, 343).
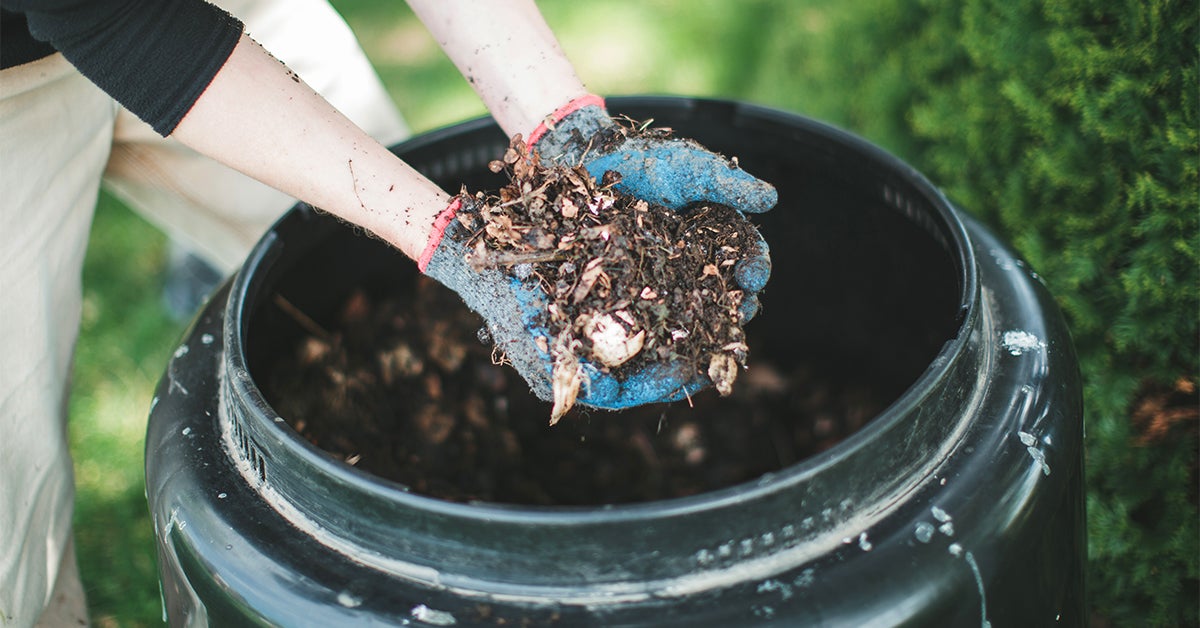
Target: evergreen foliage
(1070, 126)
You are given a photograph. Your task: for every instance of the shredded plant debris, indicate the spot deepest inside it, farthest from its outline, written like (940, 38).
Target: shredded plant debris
(628, 283)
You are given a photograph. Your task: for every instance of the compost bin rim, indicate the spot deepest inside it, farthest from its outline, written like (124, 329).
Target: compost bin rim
(941, 367)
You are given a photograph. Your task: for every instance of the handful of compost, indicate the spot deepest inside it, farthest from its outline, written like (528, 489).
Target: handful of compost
(619, 301)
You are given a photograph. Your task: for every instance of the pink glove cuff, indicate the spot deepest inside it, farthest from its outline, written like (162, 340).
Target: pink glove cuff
(562, 112)
(439, 231)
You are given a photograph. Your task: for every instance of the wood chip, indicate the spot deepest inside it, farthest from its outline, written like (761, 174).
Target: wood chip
(591, 274)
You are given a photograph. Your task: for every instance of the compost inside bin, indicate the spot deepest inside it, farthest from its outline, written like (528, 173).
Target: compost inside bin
(390, 376)
(386, 370)
(401, 387)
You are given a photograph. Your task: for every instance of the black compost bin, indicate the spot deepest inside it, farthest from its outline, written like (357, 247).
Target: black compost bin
(956, 500)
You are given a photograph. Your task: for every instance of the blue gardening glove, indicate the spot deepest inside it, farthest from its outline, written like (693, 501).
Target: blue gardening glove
(672, 172)
(512, 304)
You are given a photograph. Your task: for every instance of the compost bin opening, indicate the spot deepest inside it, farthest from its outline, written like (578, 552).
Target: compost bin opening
(382, 369)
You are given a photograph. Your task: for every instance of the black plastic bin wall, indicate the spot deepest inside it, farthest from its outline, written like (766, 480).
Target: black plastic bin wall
(960, 503)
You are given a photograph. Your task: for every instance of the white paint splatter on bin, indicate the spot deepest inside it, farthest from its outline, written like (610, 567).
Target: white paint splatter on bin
(1039, 456)
(1019, 342)
(420, 612)
(923, 532)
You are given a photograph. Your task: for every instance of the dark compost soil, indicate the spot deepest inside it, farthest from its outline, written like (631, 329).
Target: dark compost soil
(401, 386)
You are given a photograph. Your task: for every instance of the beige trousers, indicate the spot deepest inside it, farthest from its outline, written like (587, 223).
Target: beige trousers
(60, 138)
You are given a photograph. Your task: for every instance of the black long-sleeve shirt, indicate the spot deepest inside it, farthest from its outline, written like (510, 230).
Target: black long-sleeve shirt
(155, 57)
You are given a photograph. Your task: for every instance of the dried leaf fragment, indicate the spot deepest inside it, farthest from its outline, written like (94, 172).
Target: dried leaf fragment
(722, 370)
(502, 229)
(400, 361)
(568, 209)
(565, 378)
(591, 273)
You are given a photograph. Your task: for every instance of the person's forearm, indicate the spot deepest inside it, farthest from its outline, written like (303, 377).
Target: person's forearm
(507, 52)
(261, 119)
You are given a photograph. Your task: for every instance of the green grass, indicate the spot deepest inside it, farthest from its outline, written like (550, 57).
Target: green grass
(125, 339)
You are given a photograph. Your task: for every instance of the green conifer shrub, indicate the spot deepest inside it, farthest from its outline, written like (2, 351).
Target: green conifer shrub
(1070, 126)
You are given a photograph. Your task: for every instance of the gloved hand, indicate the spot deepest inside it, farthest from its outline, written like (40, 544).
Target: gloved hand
(672, 172)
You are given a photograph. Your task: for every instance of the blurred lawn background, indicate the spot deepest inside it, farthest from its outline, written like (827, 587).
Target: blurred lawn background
(792, 54)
